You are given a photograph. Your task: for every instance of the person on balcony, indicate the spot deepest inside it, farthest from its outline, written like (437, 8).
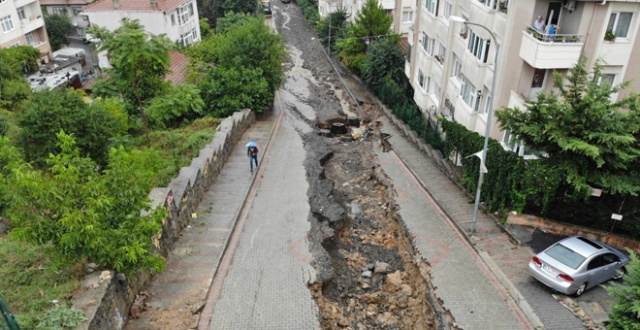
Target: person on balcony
(539, 24)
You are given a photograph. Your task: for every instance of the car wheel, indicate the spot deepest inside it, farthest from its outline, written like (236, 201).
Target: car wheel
(620, 273)
(581, 289)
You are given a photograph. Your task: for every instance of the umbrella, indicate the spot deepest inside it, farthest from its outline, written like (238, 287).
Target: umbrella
(252, 144)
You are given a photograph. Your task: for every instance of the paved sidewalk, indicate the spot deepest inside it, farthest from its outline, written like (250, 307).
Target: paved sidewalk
(195, 257)
(503, 257)
(463, 282)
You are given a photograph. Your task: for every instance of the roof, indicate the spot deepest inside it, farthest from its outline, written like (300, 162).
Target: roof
(178, 68)
(135, 5)
(64, 2)
(403, 45)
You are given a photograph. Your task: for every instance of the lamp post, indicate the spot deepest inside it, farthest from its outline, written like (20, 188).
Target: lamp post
(489, 115)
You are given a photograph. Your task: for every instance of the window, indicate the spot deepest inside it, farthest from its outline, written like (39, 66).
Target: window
(58, 11)
(457, 68)
(191, 9)
(606, 78)
(421, 79)
(21, 14)
(432, 6)
(487, 103)
(183, 15)
(407, 15)
(173, 19)
(437, 90)
(194, 34)
(427, 43)
(442, 50)
(31, 39)
(7, 24)
(538, 78)
(619, 24)
(448, 9)
(478, 47)
(491, 4)
(468, 93)
(186, 39)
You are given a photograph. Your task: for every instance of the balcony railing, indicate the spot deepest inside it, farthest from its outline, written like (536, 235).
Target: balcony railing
(553, 37)
(550, 51)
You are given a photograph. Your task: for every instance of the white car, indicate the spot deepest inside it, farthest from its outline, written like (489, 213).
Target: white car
(576, 264)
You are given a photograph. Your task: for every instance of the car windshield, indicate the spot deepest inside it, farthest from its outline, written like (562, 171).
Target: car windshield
(566, 256)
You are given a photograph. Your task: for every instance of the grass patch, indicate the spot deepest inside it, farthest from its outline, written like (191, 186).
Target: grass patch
(179, 146)
(31, 277)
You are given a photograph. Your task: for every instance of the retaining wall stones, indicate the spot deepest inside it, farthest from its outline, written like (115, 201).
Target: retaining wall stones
(107, 298)
(565, 229)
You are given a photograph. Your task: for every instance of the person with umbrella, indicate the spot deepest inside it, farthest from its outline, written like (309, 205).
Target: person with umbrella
(252, 152)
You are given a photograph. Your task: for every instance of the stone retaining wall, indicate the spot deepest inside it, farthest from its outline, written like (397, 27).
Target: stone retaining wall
(106, 298)
(565, 229)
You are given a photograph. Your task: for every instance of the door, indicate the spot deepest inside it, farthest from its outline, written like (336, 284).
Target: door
(537, 83)
(553, 13)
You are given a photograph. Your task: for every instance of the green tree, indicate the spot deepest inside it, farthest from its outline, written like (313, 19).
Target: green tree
(588, 140)
(205, 28)
(177, 104)
(139, 65)
(371, 23)
(84, 213)
(383, 59)
(52, 111)
(333, 28)
(625, 311)
(58, 27)
(226, 90)
(242, 67)
(14, 62)
(223, 7)
(230, 21)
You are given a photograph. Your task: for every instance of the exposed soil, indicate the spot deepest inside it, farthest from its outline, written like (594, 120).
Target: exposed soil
(368, 274)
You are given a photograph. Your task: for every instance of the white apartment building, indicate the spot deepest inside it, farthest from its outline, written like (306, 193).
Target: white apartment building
(177, 19)
(21, 23)
(352, 7)
(71, 9)
(451, 65)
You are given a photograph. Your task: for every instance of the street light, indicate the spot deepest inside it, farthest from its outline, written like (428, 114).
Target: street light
(459, 19)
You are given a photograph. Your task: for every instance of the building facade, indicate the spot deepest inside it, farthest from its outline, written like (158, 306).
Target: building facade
(352, 7)
(22, 23)
(71, 9)
(451, 65)
(177, 19)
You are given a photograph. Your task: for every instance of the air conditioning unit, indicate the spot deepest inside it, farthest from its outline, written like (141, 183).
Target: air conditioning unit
(569, 4)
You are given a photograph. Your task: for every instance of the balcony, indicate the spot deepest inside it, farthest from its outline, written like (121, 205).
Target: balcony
(544, 51)
(31, 24)
(22, 3)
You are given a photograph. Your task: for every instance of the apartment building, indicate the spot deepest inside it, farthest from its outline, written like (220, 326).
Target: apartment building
(352, 7)
(451, 65)
(177, 19)
(71, 9)
(21, 23)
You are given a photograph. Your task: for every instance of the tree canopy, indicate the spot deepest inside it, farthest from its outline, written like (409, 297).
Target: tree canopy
(58, 27)
(586, 139)
(625, 310)
(14, 62)
(86, 214)
(51, 111)
(240, 67)
(223, 7)
(371, 23)
(139, 63)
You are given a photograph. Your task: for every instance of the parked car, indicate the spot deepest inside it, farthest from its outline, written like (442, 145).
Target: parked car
(576, 264)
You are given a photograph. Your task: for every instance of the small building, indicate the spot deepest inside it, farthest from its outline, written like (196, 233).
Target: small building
(177, 19)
